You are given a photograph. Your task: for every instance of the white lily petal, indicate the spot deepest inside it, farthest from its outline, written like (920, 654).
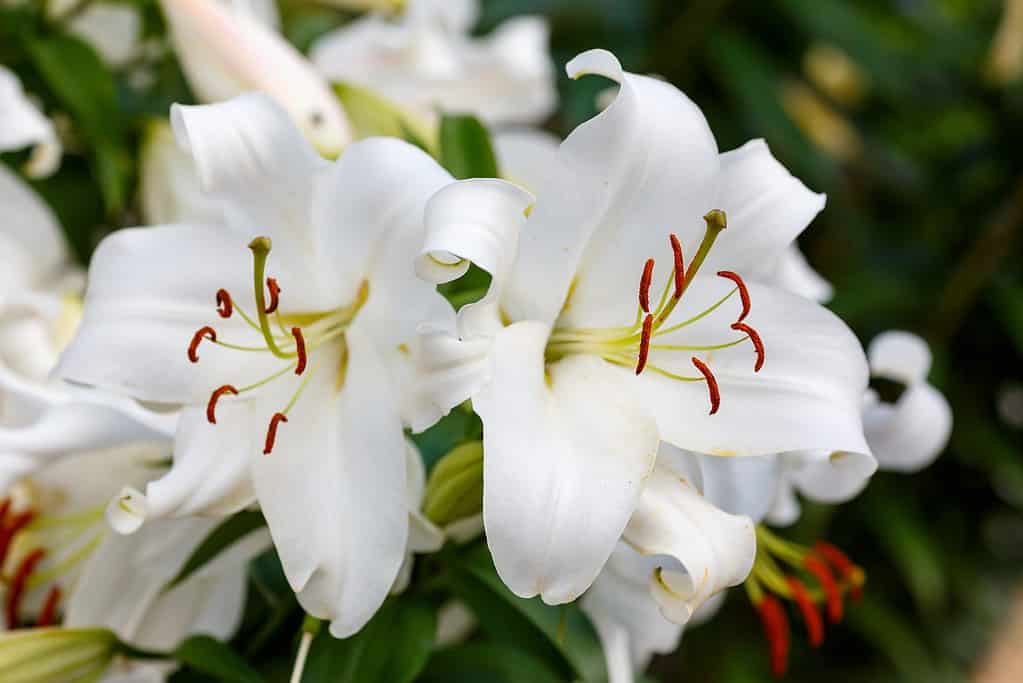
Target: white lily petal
(210, 470)
(644, 167)
(767, 209)
(793, 274)
(704, 550)
(170, 189)
(741, 486)
(474, 221)
(622, 608)
(150, 290)
(456, 16)
(368, 216)
(830, 477)
(31, 241)
(785, 509)
(907, 436)
(465, 529)
(226, 53)
(900, 356)
(566, 458)
(808, 395)
(209, 602)
(448, 370)
(527, 157)
(423, 535)
(23, 125)
(333, 491)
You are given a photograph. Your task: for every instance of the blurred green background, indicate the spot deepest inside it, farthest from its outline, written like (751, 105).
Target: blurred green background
(909, 115)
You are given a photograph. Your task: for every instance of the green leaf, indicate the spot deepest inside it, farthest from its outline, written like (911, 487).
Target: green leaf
(211, 656)
(83, 84)
(220, 539)
(487, 663)
(465, 148)
(560, 635)
(392, 648)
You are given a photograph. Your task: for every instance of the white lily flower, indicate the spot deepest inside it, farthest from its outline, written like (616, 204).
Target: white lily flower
(426, 60)
(23, 125)
(576, 383)
(113, 29)
(228, 50)
(42, 420)
(291, 399)
(62, 558)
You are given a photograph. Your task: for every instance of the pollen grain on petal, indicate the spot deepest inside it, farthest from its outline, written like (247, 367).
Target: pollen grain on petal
(211, 406)
(271, 432)
(644, 285)
(743, 291)
(680, 265)
(712, 384)
(275, 295)
(758, 343)
(225, 307)
(206, 332)
(296, 332)
(644, 343)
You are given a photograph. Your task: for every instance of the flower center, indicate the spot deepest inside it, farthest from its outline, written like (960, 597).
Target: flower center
(631, 345)
(816, 576)
(290, 338)
(28, 539)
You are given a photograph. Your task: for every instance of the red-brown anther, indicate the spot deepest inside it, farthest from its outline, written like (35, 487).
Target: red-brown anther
(812, 617)
(776, 628)
(5, 507)
(299, 349)
(225, 307)
(211, 407)
(200, 334)
(743, 292)
(833, 595)
(841, 563)
(680, 266)
(644, 343)
(275, 292)
(271, 432)
(17, 587)
(48, 614)
(758, 343)
(644, 285)
(712, 384)
(9, 531)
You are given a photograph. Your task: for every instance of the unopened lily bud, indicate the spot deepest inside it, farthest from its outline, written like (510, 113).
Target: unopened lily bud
(454, 490)
(56, 655)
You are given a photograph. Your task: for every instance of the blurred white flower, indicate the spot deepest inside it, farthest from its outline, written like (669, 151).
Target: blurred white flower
(426, 60)
(290, 398)
(113, 29)
(23, 125)
(227, 49)
(578, 373)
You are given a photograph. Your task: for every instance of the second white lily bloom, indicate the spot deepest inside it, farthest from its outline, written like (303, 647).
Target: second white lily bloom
(585, 354)
(282, 332)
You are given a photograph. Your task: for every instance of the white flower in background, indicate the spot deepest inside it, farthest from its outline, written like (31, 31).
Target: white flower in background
(23, 125)
(287, 363)
(426, 61)
(113, 29)
(584, 355)
(62, 559)
(39, 309)
(227, 49)
(169, 184)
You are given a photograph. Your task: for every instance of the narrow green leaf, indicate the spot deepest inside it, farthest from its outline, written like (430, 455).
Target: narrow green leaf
(211, 656)
(392, 648)
(529, 624)
(220, 539)
(487, 663)
(465, 148)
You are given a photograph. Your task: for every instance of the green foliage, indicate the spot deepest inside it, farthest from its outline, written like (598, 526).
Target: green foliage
(212, 657)
(465, 148)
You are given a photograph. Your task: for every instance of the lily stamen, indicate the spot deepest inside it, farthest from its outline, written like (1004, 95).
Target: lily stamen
(712, 384)
(758, 343)
(296, 332)
(807, 607)
(275, 295)
(17, 588)
(644, 286)
(48, 614)
(206, 332)
(644, 344)
(225, 307)
(271, 432)
(211, 406)
(743, 292)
